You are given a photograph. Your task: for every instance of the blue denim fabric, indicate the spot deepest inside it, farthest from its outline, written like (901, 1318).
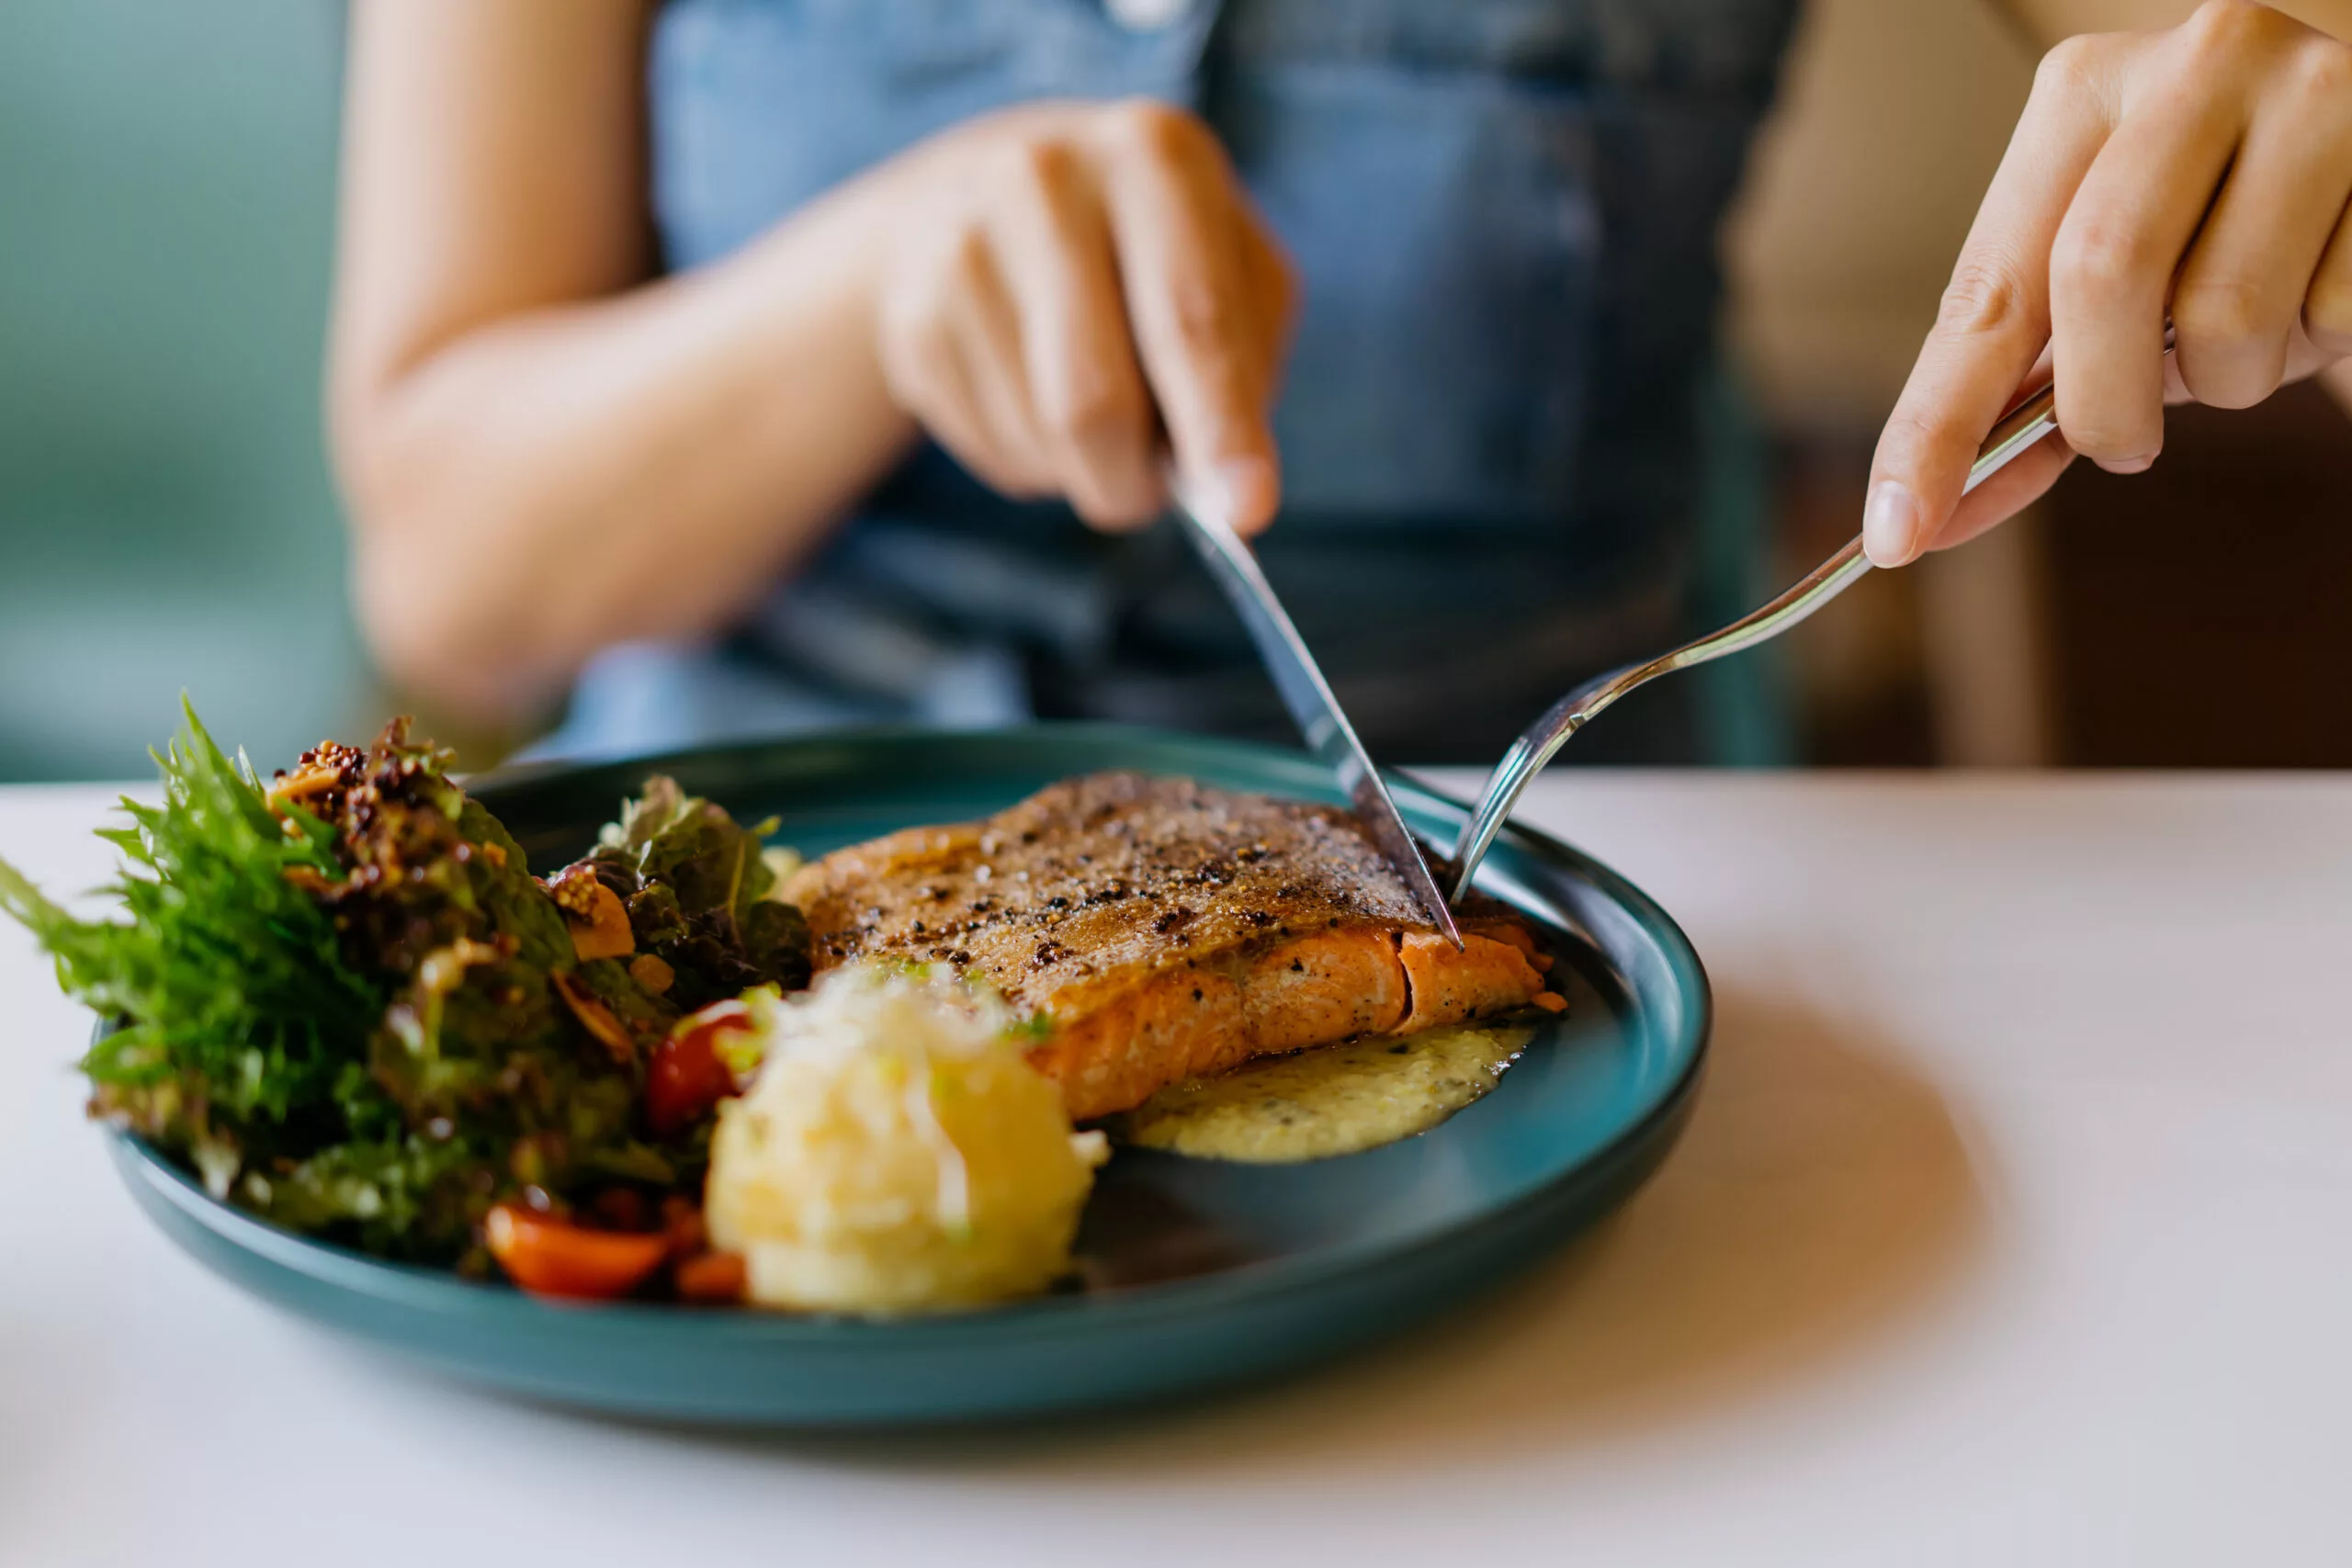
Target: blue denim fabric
(1504, 213)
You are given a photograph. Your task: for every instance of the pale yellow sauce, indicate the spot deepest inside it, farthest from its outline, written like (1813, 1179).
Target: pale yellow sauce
(1338, 1100)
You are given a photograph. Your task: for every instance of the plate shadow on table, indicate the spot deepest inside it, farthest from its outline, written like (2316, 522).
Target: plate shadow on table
(1822, 1198)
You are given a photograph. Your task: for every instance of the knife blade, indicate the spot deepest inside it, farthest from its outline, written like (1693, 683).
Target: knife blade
(1308, 696)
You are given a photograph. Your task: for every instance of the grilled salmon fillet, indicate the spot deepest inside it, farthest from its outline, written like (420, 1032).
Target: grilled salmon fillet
(1166, 929)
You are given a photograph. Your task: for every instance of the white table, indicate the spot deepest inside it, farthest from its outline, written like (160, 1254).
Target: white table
(2015, 1224)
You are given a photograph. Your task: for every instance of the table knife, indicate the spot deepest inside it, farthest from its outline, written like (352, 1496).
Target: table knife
(1308, 696)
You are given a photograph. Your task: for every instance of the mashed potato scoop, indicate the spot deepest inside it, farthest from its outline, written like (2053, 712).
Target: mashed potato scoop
(894, 1153)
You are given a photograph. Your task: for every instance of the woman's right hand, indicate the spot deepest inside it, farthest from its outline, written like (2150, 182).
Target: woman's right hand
(616, 455)
(1067, 286)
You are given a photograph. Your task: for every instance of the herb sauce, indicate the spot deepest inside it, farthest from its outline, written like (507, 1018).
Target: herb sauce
(1338, 1100)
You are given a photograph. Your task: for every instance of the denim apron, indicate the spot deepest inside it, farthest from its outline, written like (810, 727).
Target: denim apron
(1504, 215)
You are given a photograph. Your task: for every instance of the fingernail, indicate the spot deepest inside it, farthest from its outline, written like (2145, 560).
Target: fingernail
(1891, 523)
(1243, 489)
(2129, 465)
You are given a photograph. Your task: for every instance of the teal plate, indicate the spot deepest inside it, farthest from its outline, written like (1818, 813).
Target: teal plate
(1200, 1273)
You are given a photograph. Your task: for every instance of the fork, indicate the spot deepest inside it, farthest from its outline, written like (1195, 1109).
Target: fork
(2017, 429)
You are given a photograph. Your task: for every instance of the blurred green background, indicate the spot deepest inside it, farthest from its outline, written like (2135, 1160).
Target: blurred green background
(166, 223)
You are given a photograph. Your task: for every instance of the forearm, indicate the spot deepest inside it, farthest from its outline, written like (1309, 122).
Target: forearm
(635, 465)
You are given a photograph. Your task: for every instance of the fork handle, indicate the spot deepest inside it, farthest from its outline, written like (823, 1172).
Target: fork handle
(2016, 431)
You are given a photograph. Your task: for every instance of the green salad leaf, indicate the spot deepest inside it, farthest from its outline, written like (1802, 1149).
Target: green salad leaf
(240, 1011)
(342, 998)
(699, 891)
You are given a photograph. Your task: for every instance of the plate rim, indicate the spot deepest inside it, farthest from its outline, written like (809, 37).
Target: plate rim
(441, 1292)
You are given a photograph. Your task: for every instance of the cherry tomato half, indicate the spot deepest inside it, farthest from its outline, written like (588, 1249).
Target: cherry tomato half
(686, 1076)
(554, 1257)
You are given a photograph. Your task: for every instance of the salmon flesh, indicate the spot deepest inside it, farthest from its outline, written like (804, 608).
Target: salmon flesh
(1165, 929)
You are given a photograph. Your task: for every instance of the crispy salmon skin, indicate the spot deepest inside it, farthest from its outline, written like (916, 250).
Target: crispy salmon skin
(1166, 929)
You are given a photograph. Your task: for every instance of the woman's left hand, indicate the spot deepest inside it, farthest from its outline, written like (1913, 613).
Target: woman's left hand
(2200, 174)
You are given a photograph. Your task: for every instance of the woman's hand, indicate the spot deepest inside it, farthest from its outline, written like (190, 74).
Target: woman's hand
(2201, 174)
(1064, 282)
(548, 448)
